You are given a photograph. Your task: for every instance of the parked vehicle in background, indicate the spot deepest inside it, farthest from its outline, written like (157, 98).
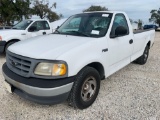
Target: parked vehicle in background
(158, 28)
(150, 27)
(134, 26)
(57, 23)
(5, 27)
(24, 30)
(70, 64)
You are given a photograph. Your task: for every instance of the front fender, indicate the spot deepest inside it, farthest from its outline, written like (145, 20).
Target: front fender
(17, 36)
(75, 66)
(7, 39)
(81, 57)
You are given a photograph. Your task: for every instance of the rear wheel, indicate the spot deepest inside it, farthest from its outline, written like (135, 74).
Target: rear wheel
(85, 89)
(143, 59)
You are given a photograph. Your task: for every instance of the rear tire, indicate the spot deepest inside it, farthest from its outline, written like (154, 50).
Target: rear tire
(85, 89)
(143, 59)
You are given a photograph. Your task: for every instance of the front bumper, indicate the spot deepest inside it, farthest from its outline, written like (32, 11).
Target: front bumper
(2, 46)
(55, 92)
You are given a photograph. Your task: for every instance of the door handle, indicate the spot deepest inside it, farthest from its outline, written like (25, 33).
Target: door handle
(131, 41)
(44, 33)
(105, 50)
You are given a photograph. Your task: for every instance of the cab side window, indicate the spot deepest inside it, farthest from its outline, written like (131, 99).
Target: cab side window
(119, 20)
(46, 25)
(38, 25)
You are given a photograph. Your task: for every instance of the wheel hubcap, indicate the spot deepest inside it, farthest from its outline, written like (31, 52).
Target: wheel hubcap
(88, 88)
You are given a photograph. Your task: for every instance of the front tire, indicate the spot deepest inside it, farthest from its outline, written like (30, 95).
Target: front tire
(143, 59)
(85, 89)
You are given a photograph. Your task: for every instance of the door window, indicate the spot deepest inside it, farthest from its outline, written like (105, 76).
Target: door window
(46, 25)
(40, 25)
(119, 20)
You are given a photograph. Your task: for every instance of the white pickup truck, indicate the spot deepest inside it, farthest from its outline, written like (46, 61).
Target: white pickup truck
(70, 64)
(26, 29)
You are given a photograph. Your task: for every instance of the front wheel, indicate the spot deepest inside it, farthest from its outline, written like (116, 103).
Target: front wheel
(143, 59)
(85, 89)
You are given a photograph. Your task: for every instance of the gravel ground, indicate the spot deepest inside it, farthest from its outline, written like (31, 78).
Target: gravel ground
(131, 93)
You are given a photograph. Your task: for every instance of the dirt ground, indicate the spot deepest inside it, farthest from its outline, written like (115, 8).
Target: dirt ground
(131, 93)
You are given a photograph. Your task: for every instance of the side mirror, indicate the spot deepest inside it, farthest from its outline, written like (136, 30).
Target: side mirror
(57, 27)
(120, 31)
(32, 29)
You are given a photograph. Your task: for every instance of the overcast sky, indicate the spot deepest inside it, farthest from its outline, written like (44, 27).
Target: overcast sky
(136, 9)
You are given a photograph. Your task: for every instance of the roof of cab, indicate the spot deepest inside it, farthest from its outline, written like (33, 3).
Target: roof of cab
(37, 19)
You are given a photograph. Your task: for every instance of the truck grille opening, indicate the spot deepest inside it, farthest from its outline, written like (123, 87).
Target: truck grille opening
(18, 64)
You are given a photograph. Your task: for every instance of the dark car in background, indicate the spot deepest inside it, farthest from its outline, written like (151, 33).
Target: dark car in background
(150, 27)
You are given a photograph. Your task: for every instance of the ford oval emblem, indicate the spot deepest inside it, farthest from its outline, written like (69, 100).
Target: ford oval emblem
(14, 63)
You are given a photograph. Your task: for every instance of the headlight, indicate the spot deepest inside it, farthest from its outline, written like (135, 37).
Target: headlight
(51, 69)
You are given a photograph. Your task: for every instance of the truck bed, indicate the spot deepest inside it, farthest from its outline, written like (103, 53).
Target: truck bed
(140, 31)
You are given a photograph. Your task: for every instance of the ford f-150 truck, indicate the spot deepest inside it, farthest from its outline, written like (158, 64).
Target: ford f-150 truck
(26, 29)
(69, 64)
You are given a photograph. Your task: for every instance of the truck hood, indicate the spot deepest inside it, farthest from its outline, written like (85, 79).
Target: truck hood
(48, 47)
(9, 32)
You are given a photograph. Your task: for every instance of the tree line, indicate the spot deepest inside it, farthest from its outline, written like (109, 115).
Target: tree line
(155, 16)
(16, 10)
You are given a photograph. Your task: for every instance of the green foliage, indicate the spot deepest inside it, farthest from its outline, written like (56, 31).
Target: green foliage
(95, 8)
(44, 11)
(140, 23)
(13, 11)
(16, 10)
(155, 16)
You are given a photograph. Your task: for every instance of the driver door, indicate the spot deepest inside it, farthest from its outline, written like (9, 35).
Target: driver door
(120, 48)
(38, 29)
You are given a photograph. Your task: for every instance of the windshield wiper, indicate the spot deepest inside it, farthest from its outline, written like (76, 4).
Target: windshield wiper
(84, 34)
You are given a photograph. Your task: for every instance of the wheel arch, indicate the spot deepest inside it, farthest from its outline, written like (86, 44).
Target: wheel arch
(99, 67)
(149, 44)
(12, 40)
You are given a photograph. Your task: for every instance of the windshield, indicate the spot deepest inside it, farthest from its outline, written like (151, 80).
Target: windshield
(86, 24)
(22, 25)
